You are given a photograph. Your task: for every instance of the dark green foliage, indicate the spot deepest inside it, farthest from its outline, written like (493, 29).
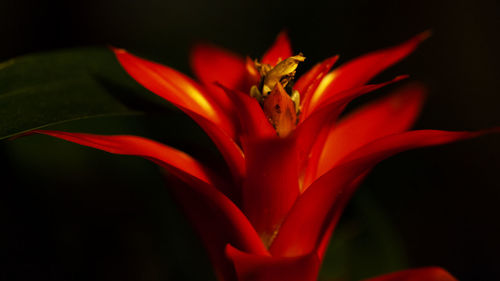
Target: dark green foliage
(50, 88)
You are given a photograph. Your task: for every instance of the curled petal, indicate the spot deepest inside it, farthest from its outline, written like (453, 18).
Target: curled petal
(313, 130)
(280, 50)
(311, 215)
(419, 274)
(390, 115)
(251, 267)
(361, 70)
(307, 84)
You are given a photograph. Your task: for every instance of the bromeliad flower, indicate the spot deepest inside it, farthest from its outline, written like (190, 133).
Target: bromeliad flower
(294, 164)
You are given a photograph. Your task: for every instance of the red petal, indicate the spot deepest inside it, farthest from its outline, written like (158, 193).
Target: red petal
(313, 129)
(280, 50)
(253, 121)
(188, 97)
(308, 130)
(212, 64)
(215, 216)
(173, 160)
(311, 215)
(153, 150)
(271, 185)
(251, 267)
(302, 229)
(389, 145)
(419, 274)
(393, 114)
(215, 65)
(174, 87)
(229, 149)
(218, 222)
(361, 70)
(280, 111)
(316, 73)
(309, 82)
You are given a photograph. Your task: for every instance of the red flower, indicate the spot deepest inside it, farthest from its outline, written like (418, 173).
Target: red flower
(294, 164)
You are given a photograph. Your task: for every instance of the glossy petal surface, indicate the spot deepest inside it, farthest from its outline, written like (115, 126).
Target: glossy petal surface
(393, 114)
(190, 98)
(308, 82)
(312, 132)
(176, 88)
(271, 186)
(361, 70)
(215, 65)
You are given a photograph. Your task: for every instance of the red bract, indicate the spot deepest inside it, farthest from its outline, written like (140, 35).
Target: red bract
(291, 174)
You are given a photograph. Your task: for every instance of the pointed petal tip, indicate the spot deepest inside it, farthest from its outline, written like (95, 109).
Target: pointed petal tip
(412, 92)
(441, 273)
(359, 71)
(200, 44)
(203, 47)
(332, 60)
(283, 34)
(419, 38)
(400, 77)
(424, 35)
(117, 50)
(280, 49)
(490, 131)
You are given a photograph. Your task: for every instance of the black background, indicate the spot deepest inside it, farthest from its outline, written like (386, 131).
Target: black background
(72, 213)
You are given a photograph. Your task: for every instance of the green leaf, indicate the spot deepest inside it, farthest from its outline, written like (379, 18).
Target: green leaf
(50, 88)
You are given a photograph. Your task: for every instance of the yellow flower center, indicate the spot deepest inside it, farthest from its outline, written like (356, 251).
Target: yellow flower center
(280, 102)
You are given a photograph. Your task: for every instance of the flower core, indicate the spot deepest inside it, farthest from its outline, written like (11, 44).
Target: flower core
(280, 102)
